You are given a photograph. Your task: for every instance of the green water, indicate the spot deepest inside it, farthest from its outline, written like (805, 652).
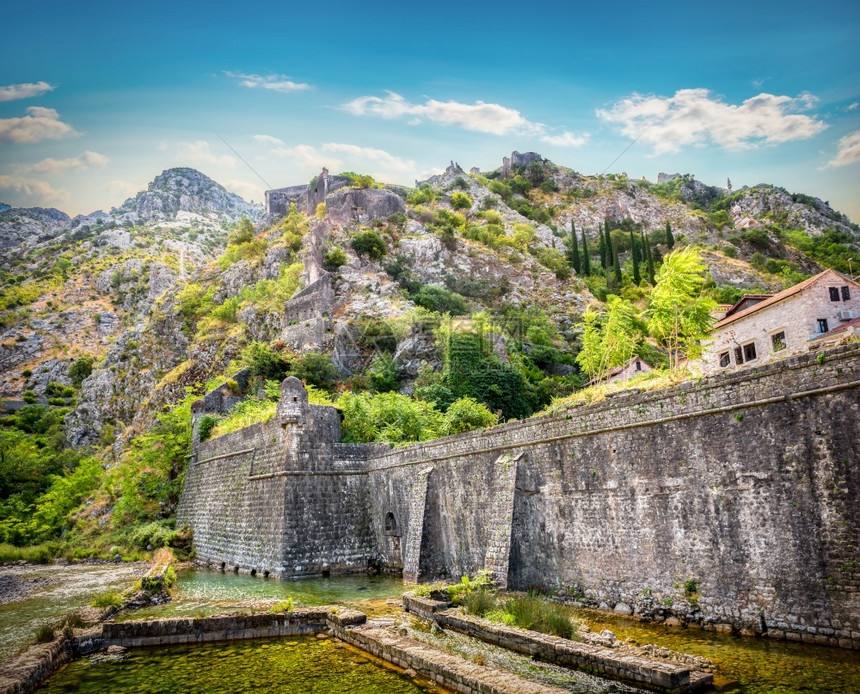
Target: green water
(305, 665)
(745, 664)
(203, 592)
(66, 588)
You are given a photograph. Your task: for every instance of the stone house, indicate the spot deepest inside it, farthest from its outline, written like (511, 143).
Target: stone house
(635, 366)
(761, 327)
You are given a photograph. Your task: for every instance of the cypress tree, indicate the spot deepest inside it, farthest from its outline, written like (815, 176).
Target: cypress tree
(616, 264)
(637, 278)
(574, 250)
(602, 247)
(607, 240)
(649, 258)
(670, 239)
(586, 256)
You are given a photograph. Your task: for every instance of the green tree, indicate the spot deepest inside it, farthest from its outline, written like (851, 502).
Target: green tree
(243, 232)
(679, 313)
(573, 250)
(609, 342)
(316, 368)
(616, 264)
(602, 241)
(649, 258)
(637, 278)
(80, 369)
(586, 256)
(670, 238)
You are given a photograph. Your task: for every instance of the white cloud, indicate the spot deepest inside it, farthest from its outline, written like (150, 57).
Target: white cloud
(275, 83)
(854, 106)
(123, 189)
(39, 124)
(848, 150)
(87, 160)
(28, 90)
(248, 191)
(692, 117)
(372, 157)
(33, 191)
(269, 140)
(566, 139)
(480, 116)
(306, 156)
(197, 153)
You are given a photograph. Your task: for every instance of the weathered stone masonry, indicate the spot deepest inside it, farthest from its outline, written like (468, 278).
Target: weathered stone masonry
(745, 486)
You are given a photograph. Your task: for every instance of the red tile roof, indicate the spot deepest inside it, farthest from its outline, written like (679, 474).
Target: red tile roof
(776, 298)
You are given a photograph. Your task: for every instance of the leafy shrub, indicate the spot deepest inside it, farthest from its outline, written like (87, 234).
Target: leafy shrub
(377, 335)
(287, 605)
(382, 374)
(226, 311)
(333, 258)
(152, 535)
(387, 418)
(243, 232)
(369, 243)
(441, 300)
(501, 189)
(467, 414)
(461, 201)
(480, 602)
(45, 634)
(108, 598)
(207, 423)
(80, 369)
(757, 238)
(244, 414)
(316, 368)
(265, 362)
(321, 211)
(421, 195)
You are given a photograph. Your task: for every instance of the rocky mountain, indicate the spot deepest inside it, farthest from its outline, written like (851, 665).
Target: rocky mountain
(183, 190)
(150, 293)
(116, 322)
(29, 226)
(4, 207)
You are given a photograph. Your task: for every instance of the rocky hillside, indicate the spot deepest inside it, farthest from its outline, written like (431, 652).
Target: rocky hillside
(464, 286)
(72, 287)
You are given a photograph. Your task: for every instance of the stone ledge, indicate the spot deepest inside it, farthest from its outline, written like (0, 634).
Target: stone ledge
(653, 674)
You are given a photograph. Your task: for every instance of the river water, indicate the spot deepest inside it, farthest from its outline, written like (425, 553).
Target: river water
(747, 665)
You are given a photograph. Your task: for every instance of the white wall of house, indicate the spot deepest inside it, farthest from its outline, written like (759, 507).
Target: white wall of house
(795, 317)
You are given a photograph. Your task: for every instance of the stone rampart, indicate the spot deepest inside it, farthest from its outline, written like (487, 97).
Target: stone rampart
(733, 501)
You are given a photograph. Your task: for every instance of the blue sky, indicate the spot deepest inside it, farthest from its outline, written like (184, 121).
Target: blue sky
(94, 104)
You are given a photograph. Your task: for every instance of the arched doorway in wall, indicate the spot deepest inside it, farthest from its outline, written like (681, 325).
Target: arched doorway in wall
(393, 548)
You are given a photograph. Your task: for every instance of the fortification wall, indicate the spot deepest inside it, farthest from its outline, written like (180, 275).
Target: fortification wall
(283, 498)
(734, 500)
(745, 487)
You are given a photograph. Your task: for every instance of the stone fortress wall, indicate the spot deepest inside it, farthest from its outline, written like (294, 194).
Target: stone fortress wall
(734, 500)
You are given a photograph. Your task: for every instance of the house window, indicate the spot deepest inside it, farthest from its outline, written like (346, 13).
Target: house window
(725, 360)
(834, 293)
(749, 351)
(778, 341)
(822, 325)
(739, 355)
(846, 294)
(638, 365)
